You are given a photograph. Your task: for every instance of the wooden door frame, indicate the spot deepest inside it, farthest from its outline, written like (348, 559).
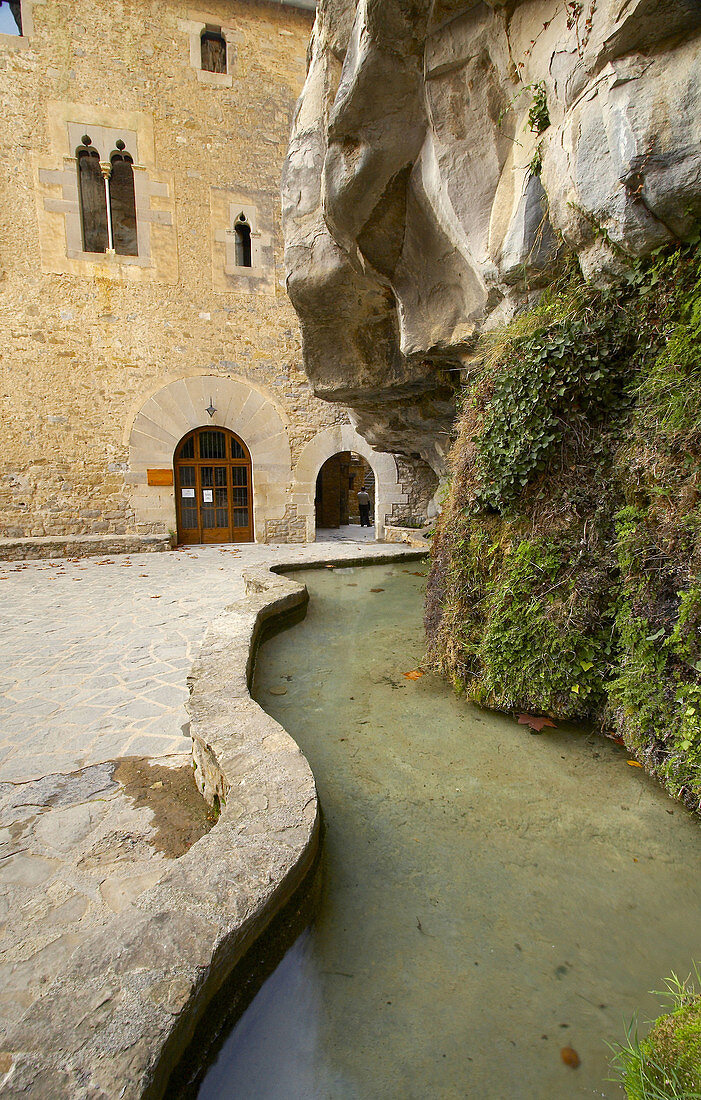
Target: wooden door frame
(230, 464)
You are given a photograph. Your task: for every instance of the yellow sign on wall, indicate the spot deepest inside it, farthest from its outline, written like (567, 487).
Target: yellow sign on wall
(159, 477)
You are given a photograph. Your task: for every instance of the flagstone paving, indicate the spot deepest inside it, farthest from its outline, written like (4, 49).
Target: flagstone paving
(94, 656)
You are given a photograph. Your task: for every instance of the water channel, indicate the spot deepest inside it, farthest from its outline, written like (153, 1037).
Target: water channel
(489, 896)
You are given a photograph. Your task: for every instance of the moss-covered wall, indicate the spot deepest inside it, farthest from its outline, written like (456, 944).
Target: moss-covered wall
(566, 572)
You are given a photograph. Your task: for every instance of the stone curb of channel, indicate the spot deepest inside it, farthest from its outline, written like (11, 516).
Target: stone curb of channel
(117, 1020)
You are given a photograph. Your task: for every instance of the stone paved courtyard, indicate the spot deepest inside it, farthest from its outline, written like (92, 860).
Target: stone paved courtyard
(95, 655)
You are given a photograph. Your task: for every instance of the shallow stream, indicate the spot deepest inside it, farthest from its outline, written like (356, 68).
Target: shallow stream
(490, 896)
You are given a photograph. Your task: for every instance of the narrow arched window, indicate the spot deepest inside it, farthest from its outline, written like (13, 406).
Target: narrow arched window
(93, 198)
(243, 241)
(123, 202)
(213, 46)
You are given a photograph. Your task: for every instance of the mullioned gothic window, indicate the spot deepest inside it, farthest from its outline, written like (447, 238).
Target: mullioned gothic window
(123, 202)
(93, 206)
(107, 200)
(213, 47)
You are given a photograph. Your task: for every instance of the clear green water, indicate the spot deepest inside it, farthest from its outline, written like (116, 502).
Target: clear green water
(490, 896)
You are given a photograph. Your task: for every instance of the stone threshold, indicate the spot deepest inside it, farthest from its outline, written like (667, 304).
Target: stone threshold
(80, 546)
(118, 1019)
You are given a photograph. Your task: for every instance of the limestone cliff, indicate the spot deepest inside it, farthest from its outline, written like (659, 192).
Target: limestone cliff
(443, 152)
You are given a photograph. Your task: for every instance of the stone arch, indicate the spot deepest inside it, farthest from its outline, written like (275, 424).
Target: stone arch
(344, 437)
(180, 406)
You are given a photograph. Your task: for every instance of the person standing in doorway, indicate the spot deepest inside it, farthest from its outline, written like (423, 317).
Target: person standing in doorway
(364, 508)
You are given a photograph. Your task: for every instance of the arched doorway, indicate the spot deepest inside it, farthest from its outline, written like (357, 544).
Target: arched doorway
(343, 437)
(338, 483)
(213, 489)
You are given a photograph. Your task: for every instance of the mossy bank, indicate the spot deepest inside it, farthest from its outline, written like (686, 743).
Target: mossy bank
(566, 573)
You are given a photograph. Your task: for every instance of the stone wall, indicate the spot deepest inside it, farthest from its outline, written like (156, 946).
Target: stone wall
(89, 339)
(419, 484)
(291, 528)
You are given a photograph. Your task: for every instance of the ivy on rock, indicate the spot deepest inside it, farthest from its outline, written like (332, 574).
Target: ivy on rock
(567, 562)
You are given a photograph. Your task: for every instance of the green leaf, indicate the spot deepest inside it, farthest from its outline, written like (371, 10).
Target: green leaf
(586, 665)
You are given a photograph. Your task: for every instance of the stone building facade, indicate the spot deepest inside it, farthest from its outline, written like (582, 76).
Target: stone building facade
(130, 320)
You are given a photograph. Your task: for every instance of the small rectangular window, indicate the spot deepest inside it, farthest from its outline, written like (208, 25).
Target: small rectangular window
(213, 51)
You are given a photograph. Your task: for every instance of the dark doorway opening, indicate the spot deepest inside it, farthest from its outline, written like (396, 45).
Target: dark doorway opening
(338, 483)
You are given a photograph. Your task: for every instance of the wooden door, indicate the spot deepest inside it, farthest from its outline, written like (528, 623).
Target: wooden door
(213, 488)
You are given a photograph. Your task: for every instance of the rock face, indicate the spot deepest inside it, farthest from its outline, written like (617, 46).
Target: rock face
(441, 153)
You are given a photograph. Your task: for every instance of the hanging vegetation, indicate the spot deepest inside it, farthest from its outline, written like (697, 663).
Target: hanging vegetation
(566, 575)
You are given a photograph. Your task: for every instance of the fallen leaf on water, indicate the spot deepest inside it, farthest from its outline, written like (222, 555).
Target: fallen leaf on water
(535, 722)
(278, 691)
(570, 1057)
(634, 763)
(377, 589)
(415, 674)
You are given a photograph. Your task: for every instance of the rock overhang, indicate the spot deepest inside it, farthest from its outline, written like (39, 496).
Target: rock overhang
(424, 200)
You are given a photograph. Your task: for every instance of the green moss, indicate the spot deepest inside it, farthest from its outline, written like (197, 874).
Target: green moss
(674, 1044)
(686, 636)
(639, 691)
(567, 563)
(541, 648)
(566, 573)
(666, 1065)
(655, 696)
(669, 397)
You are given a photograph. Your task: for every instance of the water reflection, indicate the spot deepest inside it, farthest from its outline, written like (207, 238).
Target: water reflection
(270, 1051)
(490, 896)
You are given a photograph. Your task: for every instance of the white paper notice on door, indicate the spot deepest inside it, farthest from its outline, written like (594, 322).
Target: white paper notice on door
(207, 496)
(188, 492)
